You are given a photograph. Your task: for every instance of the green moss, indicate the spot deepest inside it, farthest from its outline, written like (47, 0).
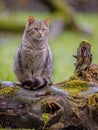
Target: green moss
(76, 86)
(77, 83)
(84, 42)
(73, 77)
(75, 89)
(9, 91)
(73, 85)
(92, 102)
(45, 117)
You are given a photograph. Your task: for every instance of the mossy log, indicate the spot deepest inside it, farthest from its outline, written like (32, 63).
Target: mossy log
(68, 105)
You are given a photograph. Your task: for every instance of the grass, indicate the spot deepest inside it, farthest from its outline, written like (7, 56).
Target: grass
(63, 48)
(7, 50)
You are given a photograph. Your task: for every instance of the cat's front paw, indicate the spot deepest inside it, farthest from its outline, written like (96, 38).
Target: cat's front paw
(31, 84)
(28, 84)
(35, 83)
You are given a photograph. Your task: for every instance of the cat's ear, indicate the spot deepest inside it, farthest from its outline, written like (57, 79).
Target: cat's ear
(47, 21)
(31, 19)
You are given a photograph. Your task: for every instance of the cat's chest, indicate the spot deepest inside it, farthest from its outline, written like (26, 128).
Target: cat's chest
(35, 58)
(39, 56)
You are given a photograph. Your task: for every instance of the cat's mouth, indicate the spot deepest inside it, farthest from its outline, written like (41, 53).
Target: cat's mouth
(40, 37)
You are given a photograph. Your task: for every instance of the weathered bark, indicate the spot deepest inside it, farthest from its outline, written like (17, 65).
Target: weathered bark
(84, 68)
(75, 106)
(68, 105)
(84, 56)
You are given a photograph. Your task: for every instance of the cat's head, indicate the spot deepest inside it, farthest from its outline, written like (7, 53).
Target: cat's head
(36, 29)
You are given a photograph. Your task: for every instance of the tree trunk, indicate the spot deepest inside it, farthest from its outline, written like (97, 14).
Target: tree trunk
(68, 105)
(84, 68)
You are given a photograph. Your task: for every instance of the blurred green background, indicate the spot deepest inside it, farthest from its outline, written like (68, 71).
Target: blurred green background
(71, 22)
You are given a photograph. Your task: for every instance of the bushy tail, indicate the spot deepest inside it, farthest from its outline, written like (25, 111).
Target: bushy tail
(36, 83)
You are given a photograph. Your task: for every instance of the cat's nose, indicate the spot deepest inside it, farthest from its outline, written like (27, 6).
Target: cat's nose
(40, 32)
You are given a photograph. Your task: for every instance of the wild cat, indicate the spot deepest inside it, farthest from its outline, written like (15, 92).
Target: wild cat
(33, 60)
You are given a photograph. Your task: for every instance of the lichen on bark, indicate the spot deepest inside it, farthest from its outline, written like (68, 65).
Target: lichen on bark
(9, 91)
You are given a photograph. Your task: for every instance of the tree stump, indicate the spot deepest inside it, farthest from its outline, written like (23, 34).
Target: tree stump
(84, 68)
(68, 105)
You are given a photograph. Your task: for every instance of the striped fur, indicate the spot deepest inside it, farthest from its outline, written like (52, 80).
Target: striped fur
(33, 60)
